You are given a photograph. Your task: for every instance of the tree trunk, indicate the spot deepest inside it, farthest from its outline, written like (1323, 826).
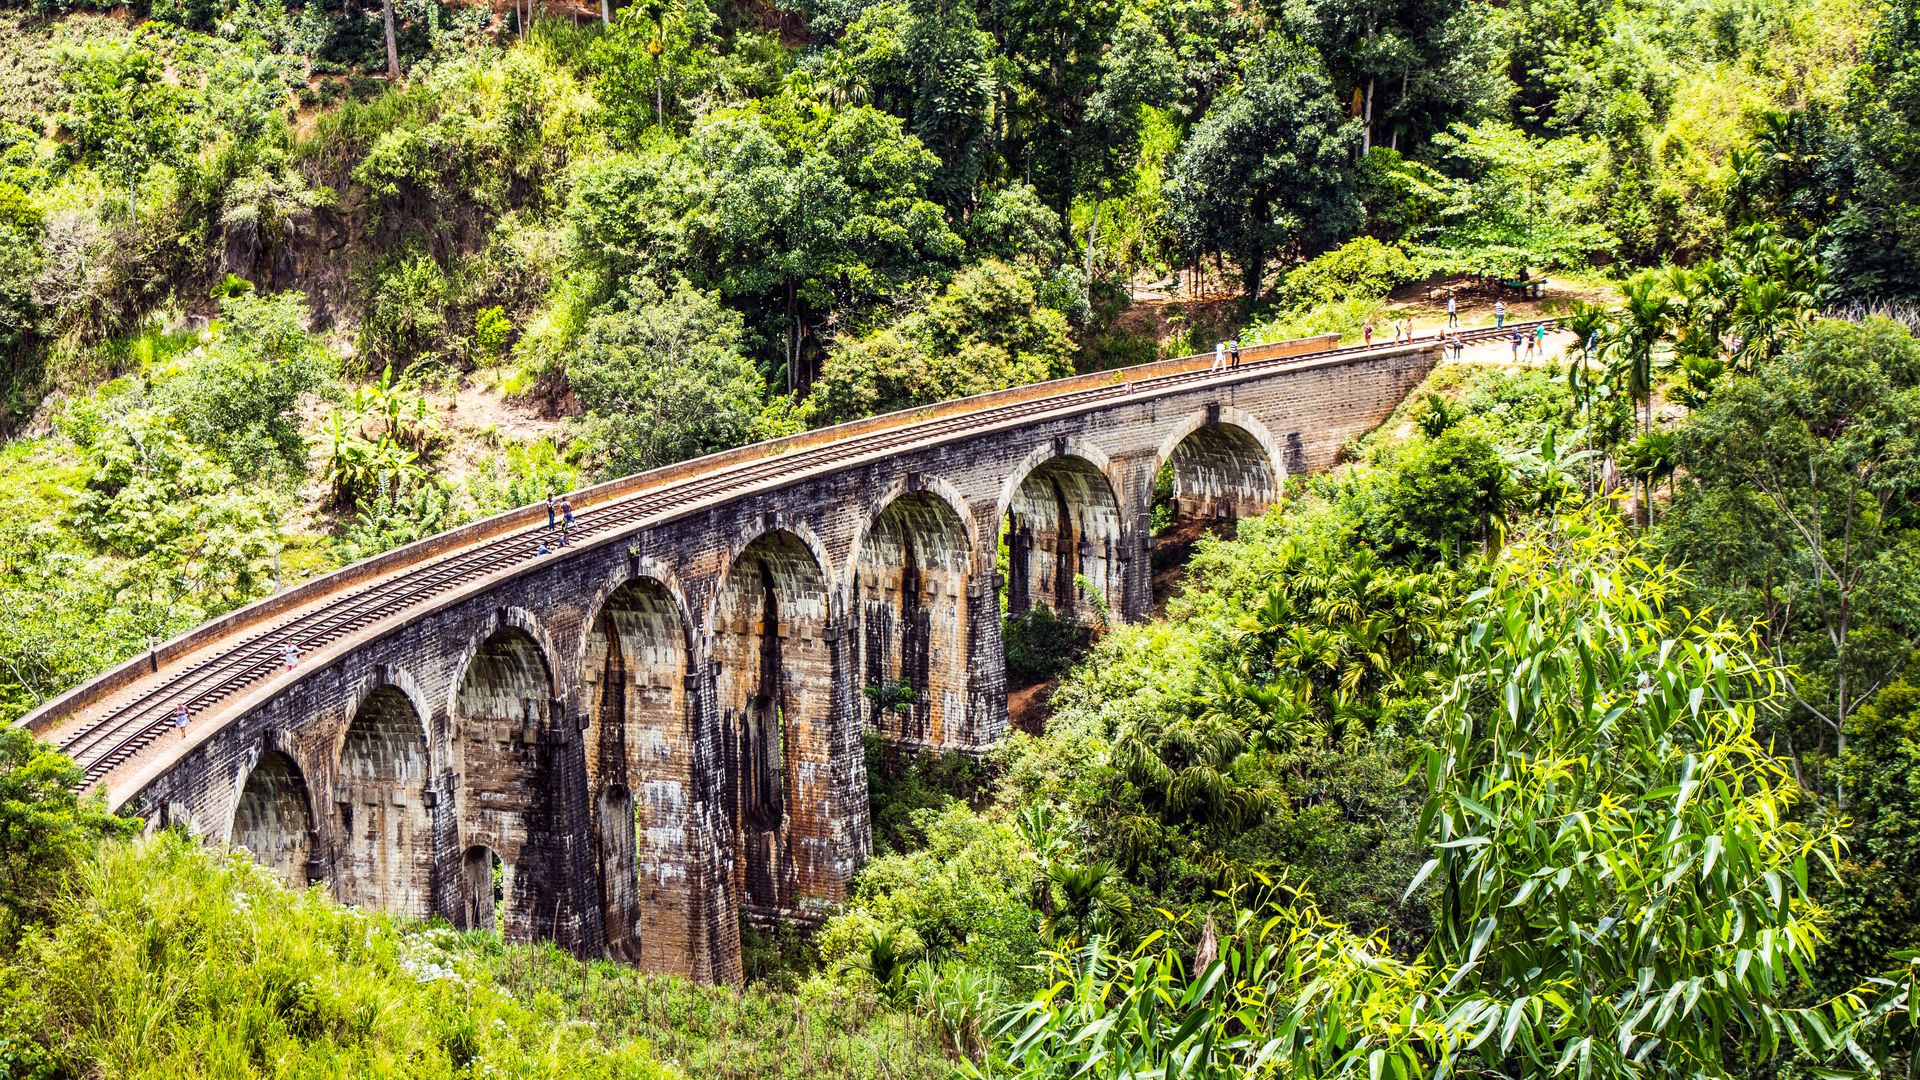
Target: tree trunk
(1366, 120)
(1092, 228)
(1253, 267)
(393, 48)
(606, 12)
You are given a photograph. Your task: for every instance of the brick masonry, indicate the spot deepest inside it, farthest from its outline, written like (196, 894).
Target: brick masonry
(656, 736)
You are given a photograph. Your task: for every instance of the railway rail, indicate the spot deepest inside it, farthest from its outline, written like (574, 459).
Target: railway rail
(121, 730)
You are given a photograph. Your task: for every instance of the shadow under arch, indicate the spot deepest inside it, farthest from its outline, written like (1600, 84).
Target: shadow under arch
(774, 687)
(385, 827)
(909, 605)
(1063, 531)
(273, 819)
(1220, 465)
(502, 711)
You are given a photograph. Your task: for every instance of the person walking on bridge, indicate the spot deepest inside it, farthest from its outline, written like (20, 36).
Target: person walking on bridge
(1499, 314)
(181, 717)
(1219, 356)
(290, 654)
(1233, 350)
(1366, 332)
(549, 511)
(566, 521)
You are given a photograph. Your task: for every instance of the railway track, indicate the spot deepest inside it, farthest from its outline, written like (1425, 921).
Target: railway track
(223, 671)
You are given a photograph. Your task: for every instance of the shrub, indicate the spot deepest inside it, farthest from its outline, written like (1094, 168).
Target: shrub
(1362, 268)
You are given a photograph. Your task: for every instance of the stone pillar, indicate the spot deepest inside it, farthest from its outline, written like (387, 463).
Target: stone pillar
(560, 850)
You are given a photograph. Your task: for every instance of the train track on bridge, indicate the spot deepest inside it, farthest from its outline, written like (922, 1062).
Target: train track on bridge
(223, 671)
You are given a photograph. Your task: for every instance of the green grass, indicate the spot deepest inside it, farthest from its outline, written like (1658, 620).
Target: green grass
(709, 1031)
(166, 960)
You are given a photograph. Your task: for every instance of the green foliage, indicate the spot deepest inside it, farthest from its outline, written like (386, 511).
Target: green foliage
(985, 331)
(47, 830)
(652, 59)
(238, 398)
(1445, 496)
(662, 378)
(760, 1031)
(1803, 475)
(1577, 701)
(407, 317)
(1040, 645)
(1362, 267)
(165, 959)
(1506, 202)
(1264, 172)
(902, 783)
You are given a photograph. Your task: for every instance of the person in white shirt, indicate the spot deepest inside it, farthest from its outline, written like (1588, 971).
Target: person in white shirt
(1219, 356)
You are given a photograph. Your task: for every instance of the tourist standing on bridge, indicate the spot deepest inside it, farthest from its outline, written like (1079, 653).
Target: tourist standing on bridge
(181, 717)
(1366, 332)
(1219, 356)
(549, 511)
(1453, 314)
(1233, 350)
(1499, 314)
(290, 653)
(1516, 344)
(1540, 339)
(566, 521)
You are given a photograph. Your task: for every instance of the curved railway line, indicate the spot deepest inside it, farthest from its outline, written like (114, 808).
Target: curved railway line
(223, 669)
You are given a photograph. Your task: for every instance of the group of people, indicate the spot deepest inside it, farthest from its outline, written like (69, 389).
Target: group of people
(1226, 356)
(559, 515)
(1402, 330)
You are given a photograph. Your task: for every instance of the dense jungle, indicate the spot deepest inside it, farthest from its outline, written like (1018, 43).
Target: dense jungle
(1570, 726)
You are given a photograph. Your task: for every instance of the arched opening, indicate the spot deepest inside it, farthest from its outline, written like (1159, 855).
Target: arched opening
(910, 612)
(483, 888)
(1061, 549)
(500, 717)
(1214, 476)
(1062, 535)
(381, 801)
(775, 693)
(273, 821)
(639, 765)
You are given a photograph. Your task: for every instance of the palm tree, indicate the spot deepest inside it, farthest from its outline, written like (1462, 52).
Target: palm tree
(1643, 322)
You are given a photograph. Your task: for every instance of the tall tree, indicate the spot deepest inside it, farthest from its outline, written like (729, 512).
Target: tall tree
(1268, 169)
(1805, 475)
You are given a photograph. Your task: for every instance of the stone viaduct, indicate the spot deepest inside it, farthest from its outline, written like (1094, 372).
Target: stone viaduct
(631, 743)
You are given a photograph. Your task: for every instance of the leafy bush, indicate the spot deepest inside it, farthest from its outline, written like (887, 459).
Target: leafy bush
(1362, 268)
(238, 398)
(168, 959)
(1040, 645)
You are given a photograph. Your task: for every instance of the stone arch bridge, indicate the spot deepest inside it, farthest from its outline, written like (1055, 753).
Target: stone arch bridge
(631, 742)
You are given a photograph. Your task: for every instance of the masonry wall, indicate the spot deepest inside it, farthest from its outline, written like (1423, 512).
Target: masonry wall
(503, 740)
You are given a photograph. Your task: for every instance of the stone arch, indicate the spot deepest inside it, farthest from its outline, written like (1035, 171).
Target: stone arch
(639, 745)
(908, 603)
(1060, 517)
(502, 713)
(1223, 465)
(380, 803)
(774, 688)
(483, 883)
(273, 819)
